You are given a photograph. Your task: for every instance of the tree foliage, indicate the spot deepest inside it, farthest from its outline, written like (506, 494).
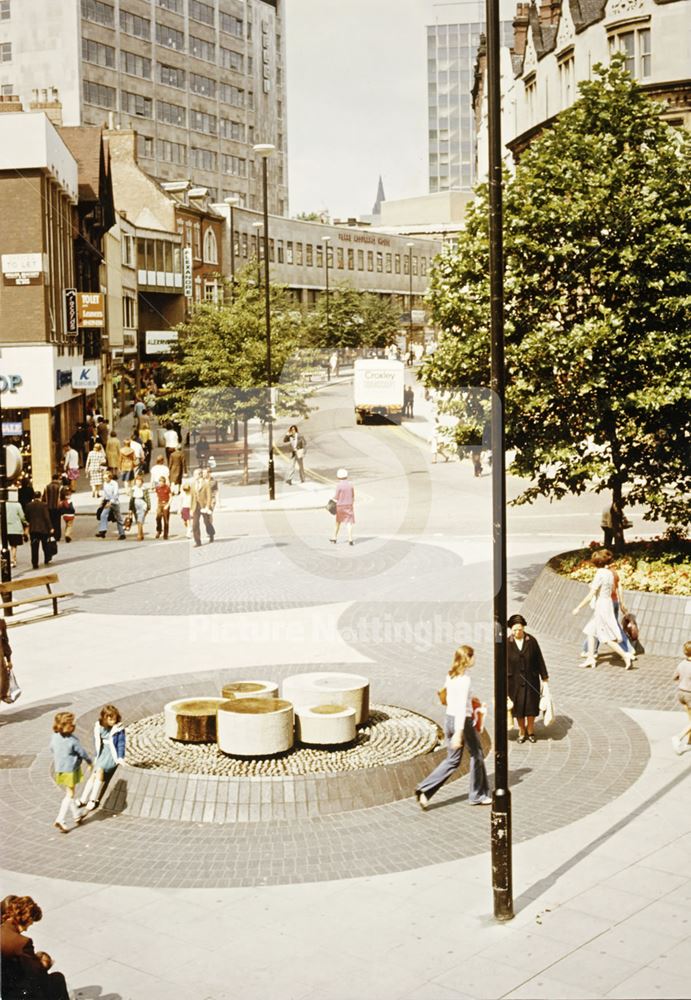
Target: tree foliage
(217, 370)
(355, 319)
(597, 302)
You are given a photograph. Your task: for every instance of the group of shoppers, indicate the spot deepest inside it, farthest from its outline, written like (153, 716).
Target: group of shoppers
(41, 519)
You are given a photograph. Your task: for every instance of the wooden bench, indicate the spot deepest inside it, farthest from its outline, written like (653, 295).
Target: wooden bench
(30, 583)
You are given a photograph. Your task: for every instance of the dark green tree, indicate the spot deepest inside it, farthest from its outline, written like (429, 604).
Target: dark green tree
(597, 303)
(355, 319)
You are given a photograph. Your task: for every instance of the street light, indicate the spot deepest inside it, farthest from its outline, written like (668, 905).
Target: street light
(257, 226)
(501, 799)
(326, 240)
(232, 201)
(265, 150)
(410, 275)
(5, 562)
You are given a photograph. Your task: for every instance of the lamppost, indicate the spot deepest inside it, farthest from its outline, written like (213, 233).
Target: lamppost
(501, 799)
(265, 150)
(410, 275)
(326, 240)
(232, 201)
(257, 226)
(5, 562)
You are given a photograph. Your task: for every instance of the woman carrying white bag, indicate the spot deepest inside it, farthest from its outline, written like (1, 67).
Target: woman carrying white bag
(526, 671)
(9, 688)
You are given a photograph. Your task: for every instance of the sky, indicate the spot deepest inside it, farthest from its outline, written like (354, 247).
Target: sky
(356, 73)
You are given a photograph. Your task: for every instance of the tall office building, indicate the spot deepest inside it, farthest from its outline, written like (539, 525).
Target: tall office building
(453, 38)
(200, 82)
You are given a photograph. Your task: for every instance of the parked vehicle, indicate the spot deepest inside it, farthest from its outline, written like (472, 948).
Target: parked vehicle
(378, 389)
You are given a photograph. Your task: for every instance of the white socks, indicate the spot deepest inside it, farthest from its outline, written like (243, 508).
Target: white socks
(64, 806)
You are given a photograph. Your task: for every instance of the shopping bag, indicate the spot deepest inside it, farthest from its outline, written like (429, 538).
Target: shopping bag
(13, 689)
(546, 705)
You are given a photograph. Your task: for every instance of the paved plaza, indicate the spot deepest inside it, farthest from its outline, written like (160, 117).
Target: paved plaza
(207, 888)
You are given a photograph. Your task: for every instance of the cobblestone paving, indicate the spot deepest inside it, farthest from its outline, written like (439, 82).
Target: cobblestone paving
(591, 754)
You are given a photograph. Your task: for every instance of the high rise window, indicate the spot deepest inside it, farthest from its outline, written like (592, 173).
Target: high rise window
(135, 65)
(235, 165)
(231, 95)
(231, 60)
(361, 260)
(98, 54)
(201, 12)
(380, 262)
(635, 44)
(231, 130)
(98, 94)
(135, 104)
(203, 159)
(133, 24)
(200, 121)
(170, 37)
(370, 260)
(172, 152)
(6, 52)
(171, 76)
(174, 5)
(4, 10)
(202, 49)
(173, 114)
(145, 146)
(231, 25)
(309, 254)
(100, 13)
(202, 85)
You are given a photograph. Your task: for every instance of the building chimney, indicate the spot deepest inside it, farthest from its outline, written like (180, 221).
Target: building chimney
(549, 12)
(47, 100)
(10, 102)
(520, 28)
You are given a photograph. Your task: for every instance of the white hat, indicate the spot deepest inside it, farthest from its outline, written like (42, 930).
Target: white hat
(342, 474)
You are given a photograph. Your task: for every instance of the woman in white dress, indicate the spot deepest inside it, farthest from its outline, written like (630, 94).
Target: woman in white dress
(603, 624)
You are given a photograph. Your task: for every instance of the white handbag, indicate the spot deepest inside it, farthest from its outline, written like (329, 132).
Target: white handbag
(546, 705)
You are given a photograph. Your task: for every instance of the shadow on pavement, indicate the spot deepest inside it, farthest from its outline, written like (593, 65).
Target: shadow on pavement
(93, 993)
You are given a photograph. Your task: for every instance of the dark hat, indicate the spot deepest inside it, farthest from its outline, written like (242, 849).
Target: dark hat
(516, 620)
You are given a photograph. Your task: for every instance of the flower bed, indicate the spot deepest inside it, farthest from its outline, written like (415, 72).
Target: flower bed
(659, 566)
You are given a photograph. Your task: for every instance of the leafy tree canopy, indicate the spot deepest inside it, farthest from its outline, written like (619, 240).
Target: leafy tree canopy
(355, 319)
(597, 302)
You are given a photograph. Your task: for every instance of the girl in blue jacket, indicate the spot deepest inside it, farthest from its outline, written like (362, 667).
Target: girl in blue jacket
(109, 741)
(68, 754)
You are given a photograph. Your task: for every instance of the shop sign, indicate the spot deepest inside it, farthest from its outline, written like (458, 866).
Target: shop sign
(187, 272)
(12, 428)
(22, 268)
(10, 383)
(90, 310)
(70, 305)
(63, 377)
(86, 377)
(159, 341)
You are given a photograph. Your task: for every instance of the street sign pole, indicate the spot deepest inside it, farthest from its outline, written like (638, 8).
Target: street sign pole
(5, 562)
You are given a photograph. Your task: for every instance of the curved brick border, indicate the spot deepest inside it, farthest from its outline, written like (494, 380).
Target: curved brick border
(664, 619)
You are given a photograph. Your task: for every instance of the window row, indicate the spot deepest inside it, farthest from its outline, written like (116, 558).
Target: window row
(307, 255)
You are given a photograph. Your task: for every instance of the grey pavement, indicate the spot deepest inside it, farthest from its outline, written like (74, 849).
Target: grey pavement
(255, 894)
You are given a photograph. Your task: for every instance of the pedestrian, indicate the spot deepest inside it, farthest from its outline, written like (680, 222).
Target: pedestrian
(17, 527)
(147, 441)
(345, 499)
(25, 975)
(66, 506)
(177, 468)
(5, 660)
(40, 530)
(109, 744)
(603, 624)
(201, 501)
(70, 465)
(459, 730)
(297, 453)
(618, 604)
(526, 668)
(51, 497)
(171, 439)
(434, 447)
(158, 469)
(128, 461)
(682, 742)
(140, 505)
(163, 495)
(25, 493)
(201, 450)
(103, 431)
(68, 754)
(185, 513)
(110, 508)
(476, 459)
(78, 442)
(138, 449)
(112, 449)
(95, 467)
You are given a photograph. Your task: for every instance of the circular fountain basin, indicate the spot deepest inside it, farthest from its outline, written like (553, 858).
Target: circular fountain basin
(249, 689)
(192, 720)
(325, 725)
(255, 727)
(348, 690)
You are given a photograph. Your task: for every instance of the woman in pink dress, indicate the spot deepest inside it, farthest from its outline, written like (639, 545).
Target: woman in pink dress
(344, 497)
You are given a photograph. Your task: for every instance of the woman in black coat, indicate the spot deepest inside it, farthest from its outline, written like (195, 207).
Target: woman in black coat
(526, 667)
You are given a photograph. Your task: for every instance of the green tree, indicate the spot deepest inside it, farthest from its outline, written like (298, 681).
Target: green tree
(355, 319)
(597, 296)
(217, 370)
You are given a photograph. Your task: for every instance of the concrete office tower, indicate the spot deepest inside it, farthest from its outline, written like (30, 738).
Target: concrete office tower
(200, 82)
(453, 37)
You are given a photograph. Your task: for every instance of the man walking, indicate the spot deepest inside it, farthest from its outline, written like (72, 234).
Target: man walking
(201, 506)
(40, 529)
(70, 466)
(111, 506)
(177, 467)
(297, 453)
(51, 497)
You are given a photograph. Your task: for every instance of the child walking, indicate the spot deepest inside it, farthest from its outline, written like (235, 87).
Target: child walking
(682, 742)
(68, 754)
(109, 741)
(185, 509)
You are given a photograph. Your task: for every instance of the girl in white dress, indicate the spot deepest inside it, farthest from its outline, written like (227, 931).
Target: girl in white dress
(603, 624)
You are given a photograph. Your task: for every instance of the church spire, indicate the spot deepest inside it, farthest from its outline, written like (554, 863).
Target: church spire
(376, 210)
